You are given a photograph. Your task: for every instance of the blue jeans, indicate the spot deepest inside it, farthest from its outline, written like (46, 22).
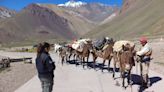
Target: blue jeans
(47, 84)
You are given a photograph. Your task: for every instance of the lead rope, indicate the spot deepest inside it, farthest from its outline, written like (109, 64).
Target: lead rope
(131, 83)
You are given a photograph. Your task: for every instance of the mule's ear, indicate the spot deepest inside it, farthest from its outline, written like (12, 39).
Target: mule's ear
(123, 47)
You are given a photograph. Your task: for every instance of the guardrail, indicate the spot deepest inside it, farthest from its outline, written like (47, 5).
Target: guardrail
(25, 60)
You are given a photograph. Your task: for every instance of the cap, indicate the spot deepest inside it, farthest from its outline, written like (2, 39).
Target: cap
(143, 40)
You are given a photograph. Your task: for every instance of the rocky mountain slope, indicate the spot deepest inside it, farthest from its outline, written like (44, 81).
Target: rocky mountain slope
(35, 22)
(95, 12)
(38, 22)
(141, 17)
(6, 13)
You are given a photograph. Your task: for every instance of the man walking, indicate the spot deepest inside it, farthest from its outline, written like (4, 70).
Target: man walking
(145, 57)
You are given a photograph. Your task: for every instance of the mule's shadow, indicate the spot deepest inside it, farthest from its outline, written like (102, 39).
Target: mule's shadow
(77, 62)
(138, 81)
(90, 64)
(154, 80)
(100, 66)
(73, 62)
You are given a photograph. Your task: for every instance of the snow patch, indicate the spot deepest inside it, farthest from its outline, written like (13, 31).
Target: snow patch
(4, 14)
(73, 4)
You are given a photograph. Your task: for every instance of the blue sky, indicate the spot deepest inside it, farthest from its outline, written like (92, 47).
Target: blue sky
(19, 4)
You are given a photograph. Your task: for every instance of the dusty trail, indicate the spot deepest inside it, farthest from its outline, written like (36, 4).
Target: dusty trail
(69, 78)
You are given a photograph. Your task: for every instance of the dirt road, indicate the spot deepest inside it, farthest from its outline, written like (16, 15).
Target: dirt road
(69, 78)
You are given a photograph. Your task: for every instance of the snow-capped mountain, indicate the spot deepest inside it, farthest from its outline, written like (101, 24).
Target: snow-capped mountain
(73, 4)
(95, 12)
(5, 13)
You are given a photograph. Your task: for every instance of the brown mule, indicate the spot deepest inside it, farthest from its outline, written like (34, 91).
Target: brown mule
(85, 53)
(106, 54)
(126, 62)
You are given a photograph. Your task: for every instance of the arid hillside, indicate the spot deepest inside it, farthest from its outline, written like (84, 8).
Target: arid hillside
(136, 18)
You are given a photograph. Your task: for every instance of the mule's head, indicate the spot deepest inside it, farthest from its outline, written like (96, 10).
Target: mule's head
(89, 45)
(127, 56)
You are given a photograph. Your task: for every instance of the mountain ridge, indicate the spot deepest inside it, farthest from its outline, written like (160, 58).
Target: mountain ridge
(39, 21)
(141, 18)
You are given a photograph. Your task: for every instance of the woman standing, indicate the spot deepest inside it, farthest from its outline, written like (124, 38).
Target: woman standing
(45, 67)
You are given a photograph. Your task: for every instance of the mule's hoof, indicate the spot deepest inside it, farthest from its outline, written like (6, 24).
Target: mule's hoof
(124, 88)
(149, 84)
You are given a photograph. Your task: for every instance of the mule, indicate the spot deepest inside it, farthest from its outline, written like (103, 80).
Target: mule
(71, 52)
(118, 48)
(57, 47)
(126, 62)
(84, 53)
(105, 54)
(63, 54)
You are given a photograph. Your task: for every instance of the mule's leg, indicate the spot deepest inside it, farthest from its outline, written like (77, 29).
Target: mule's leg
(62, 60)
(66, 58)
(123, 79)
(83, 61)
(80, 59)
(129, 78)
(102, 68)
(114, 69)
(87, 61)
(75, 58)
(94, 61)
(109, 64)
(69, 57)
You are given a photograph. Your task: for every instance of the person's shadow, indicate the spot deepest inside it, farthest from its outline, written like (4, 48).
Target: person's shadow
(137, 81)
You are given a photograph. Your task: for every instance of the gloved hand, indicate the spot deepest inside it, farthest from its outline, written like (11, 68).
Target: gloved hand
(138, 58)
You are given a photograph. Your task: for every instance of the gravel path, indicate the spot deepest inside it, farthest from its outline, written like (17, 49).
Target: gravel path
(69, 78)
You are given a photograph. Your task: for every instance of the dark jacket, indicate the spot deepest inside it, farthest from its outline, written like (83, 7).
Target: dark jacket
(45, 66)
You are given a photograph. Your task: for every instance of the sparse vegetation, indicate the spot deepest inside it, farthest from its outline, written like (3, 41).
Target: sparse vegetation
(145, 17)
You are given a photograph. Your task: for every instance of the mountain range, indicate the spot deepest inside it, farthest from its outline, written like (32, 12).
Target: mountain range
(38, 22)
(72, 20)
(6, 13)
(136, 18)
